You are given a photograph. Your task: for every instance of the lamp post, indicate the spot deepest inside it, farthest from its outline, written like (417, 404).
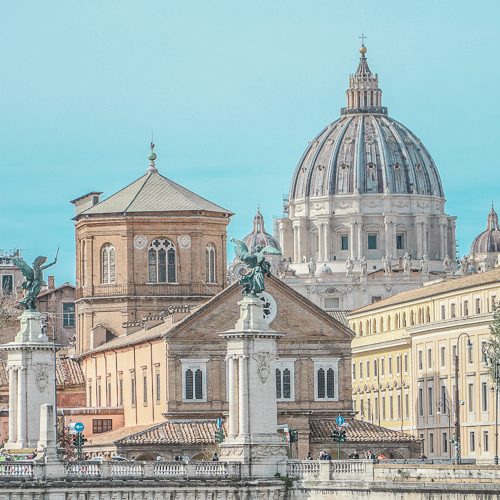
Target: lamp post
(457, 400)
(444, 408)
(493, 361)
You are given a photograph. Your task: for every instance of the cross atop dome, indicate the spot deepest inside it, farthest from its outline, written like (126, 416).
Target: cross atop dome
(492, 220)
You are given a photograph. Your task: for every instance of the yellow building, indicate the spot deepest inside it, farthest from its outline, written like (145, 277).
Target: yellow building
(403, 367)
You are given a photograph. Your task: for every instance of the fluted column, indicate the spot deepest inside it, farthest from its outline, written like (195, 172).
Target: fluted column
(12, 404)
(21, 406)
(233, 397)
(243, 395)
(327, 244)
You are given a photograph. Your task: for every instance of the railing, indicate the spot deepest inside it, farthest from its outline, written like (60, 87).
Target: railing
(21, 470)
(154, 289)
(169, 469)
(338, 470)
(83, 469)
(128, 469)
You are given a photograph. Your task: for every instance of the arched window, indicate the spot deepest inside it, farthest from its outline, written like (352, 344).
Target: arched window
(428, 314)
(374, 327)
(278, 383)
(420, 316)
(367, 327)
(381, 329)
(162, 266)
(210, 264)
(404, 320)
(360, 328)
(389, 323)
(412, 318)
(396, 321)
(321, 383)
(330, 383)
(189, 384)
(286, 383)
(108, 264)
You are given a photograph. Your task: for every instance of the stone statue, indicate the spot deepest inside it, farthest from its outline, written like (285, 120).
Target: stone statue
(447, 264)
(464, 265)
(33, 282)
(258, 267)
(364, 265)
(349, 264)
(386, 261)
(311, 266)
(424, 264)
(406, 263)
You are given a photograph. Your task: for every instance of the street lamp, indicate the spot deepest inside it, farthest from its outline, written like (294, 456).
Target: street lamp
(492, 360)
(457, 399)
(444, 408)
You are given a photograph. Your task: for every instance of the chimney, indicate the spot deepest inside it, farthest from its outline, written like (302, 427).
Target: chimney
(52, 282)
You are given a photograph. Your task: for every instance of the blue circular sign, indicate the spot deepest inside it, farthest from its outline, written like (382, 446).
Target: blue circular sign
(79, 427)
(340, 420)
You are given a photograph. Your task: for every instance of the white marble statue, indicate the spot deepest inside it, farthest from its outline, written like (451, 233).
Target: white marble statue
(364, 265)
(424, 264)
(447, 264)
(406, 263)
(386, 261)
(311, 265)
(349, 264)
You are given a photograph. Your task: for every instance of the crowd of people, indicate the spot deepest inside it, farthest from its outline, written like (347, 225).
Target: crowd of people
(367, 455)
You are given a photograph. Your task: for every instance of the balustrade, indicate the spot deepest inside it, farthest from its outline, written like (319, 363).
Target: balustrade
(12, 470)
(169, 469)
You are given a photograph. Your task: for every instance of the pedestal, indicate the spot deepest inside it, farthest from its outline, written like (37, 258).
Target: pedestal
(253, 438)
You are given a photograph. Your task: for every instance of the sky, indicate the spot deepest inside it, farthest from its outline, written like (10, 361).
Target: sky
(234, 91)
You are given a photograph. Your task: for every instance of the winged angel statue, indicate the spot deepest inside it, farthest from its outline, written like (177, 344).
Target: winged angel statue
(33, 281)
(258, 267)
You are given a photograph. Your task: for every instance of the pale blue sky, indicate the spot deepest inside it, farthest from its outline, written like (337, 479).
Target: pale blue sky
(233, 90)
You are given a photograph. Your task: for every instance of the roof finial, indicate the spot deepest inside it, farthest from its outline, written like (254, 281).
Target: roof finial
(152, 157)
(362, 49)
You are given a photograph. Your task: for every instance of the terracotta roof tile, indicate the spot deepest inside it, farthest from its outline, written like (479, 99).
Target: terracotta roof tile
(358, 432)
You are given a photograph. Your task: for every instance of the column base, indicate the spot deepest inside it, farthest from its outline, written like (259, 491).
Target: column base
(17, 445)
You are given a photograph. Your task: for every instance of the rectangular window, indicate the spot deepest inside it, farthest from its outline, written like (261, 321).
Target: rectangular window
(453, 311)
(391, 407)
(354, 371)
(472, 441)
(375, 368)
(443, 312)
(344, 242)
(431, 442)
(332, 303)
(100, 425)
(478, 306)
(429, 359)
(132, 389)
(145, 388)
(360, 370)
(443, 355)
(486, 441)
(7, 284)
(367, 369)
(470, 397)
(400, 241)
(382, 367)
(430, 401)
(99, 400)
(158, 386)
(398, 364)
(383, 407)
(466, 307)
(421, 401)
(399, 406)
(406, 363)
(420, 360)
(470, 353)
(443, 400)
(108, 390)
(120, 389)
(407, 406)
(68, 314)
(372, 241)
(445, 442)
(376, 408)
(484, 396)
(390, 365)
(194, 380)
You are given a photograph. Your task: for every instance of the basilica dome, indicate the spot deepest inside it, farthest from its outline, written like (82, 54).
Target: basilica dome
(259, 237)
(365, 151)
(488, 241)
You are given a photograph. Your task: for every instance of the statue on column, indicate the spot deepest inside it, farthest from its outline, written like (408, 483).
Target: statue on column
(424, 264)
(33, 282)
(364, 266)
(406, 263)
(464, 265)
(349, 265)
(447, 264)
(386, 261)
(258, 267)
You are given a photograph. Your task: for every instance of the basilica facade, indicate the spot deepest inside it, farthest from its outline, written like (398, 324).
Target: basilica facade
(365, 216)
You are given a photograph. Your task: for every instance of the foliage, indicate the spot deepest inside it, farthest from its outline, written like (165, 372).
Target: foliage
(493, 346)
(8, 310)
(286, 479)
(65, 443)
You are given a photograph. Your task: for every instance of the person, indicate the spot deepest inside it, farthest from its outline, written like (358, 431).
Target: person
(326, 456)
(159, 458)
(423, 457)
(354, 455)
(309, 456)
(371, 455)
(215, 457)
(381, 456)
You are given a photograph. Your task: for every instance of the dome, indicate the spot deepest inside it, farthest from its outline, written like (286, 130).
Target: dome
(488, 241)
(259, 236)
(365, 151)
(324, 270)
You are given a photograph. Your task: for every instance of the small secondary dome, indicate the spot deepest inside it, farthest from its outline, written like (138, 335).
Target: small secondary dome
(258, 236)
(365, 151)
(488, 241)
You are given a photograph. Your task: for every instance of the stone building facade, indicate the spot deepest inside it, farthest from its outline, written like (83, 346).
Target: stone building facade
(403, 363)
(151, 245)
(366, 196)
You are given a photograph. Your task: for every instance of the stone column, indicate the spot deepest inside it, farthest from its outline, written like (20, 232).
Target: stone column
(296, 257)
(321, 244)
(352, 242)
(359, 239)
(233, 397)
(388, 237)
(243, 395)
(327, 245)
(21, 406)
(12, 404)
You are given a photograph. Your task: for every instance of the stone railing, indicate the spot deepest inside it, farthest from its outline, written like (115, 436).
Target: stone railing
(336, 470)
(111, 470)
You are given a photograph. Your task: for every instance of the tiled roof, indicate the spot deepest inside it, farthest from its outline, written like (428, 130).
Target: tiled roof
(172, 432)
(358, 432)
(451, 285)
(48, 291)
(107, 438)
(68, 373)
(340, 315)
(153, 193)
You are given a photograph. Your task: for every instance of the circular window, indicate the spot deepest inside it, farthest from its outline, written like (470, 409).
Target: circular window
(270, 306)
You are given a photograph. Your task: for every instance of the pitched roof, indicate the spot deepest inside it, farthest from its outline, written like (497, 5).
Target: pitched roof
(340, 315)
(153, 193)
(452, 285)
(358, 432)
